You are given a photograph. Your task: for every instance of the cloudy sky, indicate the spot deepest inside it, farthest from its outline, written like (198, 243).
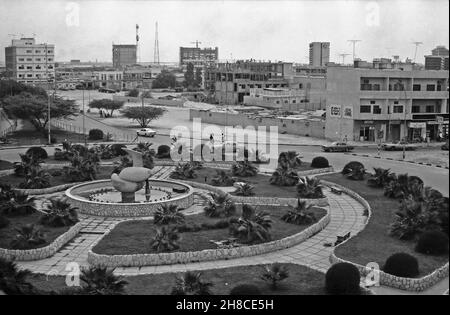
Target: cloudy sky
(269, 30)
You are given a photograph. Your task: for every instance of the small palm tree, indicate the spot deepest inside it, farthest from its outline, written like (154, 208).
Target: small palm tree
(183, 171)
(28, 162)
(167, 214)
(102, 281)
(380, 178)
(222, 179)
(244, 169)
(289, 159)
(309, 187)
(245, 189)
(299, 215)
(14, 281)
(273, 274)
(252, 226)
(191, 283)
(36, 179)
(28, 237)
(59, 213)
(284, 177)
(166, 239)
(20, 204)
(144, 147)
(220, 205)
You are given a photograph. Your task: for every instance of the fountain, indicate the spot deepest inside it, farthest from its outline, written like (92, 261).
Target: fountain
(131, 193)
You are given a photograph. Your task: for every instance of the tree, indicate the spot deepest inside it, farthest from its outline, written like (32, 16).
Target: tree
(106, 104)
(189, 80)
(164, 80)
(198, 77)
(34, 108)
(143, 114)
(133, 93)
(11, 88)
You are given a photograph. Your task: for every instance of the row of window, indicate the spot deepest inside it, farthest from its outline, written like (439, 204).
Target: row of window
(376, 109)
(37, 51)
(294, 101)
(30, 75)
(37, 67)
(35, 59)
(400, 87)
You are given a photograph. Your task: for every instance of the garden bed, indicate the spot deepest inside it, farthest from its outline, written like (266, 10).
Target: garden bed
(373, 243)
(301, 281)
(134, 237)
(5, 165)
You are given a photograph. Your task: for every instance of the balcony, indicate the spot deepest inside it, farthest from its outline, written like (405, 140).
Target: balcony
(401, 94)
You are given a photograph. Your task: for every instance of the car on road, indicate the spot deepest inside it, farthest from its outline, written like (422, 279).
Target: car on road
(146, 132)
(397, 146)
(337, 147)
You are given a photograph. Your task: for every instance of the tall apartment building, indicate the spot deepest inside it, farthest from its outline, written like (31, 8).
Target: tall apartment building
(199, 57)
(29, 62)
(230, 82)
(438, 60)
(124, 55)
(386, 103)
(319, 54)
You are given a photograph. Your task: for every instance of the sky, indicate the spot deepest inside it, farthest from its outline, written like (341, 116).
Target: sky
(262, 30)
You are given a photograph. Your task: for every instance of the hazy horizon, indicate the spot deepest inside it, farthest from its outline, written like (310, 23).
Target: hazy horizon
(268, 30)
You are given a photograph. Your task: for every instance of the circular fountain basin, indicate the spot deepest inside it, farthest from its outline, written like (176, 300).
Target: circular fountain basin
(99, 198)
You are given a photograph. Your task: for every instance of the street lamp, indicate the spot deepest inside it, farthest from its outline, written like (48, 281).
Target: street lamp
(401, 85)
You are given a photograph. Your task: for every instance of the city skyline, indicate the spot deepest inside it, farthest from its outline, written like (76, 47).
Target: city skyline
(242, 30)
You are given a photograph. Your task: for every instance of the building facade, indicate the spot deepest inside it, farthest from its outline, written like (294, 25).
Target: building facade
(124, 55)
(319, 54)
(368, 104)
(438, 60)
(29, 62)
(276, 98)
(199, 57)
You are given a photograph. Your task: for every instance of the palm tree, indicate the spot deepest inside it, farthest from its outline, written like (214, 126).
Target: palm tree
(191, 283)
(309, 187)
(14, 281)
(102, 281)
(299, 215)
(167, 214)
(59, 213)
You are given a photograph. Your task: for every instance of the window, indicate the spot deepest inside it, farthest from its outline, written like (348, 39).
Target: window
(364, 109)
(286, 101)
(416, 109)
(278, 102)
(416, 87)
(38, 59)
(21, 59)
(376, 87)
(430, 109)
(21, 67)
(398, 109)
(396, 102)
(431, 87)
(29, 59)
(294, 101)
(29, 51)
(377, 109)
(37, 51)
(29, 67)
(29, 75)
(300, 86)
(38, 67)
(372, 102)
(50, 59)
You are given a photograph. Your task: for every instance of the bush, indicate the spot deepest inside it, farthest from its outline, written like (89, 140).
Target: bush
(191, 283)
(402, 265)
(28, 237)
(133, 93)
(274, 274)
(59, 213)
(118, 149)
(101, 281)
(244, 169)
(163, 152)
(166, 239)
(310, 188)
(222, 179)
(299, 215)
(354, 170)
(252, 226)
(284, 177)
(432, 243)
(4, 222)
(219, 206)
(37, 152)
(167, 214)
(320, 162)
(245, 289)
(343, 279)
(96, 134)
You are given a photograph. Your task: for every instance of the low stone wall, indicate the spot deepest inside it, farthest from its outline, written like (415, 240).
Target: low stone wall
(124, 209)
(49, 190)
(140, 260)
(408, 284)
(43, 252)
(321, 202)
(316, 171)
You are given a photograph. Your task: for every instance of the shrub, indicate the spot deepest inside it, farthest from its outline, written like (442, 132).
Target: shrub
(36, 179)
(402, 265)
(6, 193)
(222, 179)
(166, 239)
(252, 226)
(14, 281)
(96, 134)
(163, 152)
(37, 152)
(299, 215)
(244, 189)
(432, 243)
(320, 162)
(402, 186)
(120, 165)
(244, 169)
(19, 204)
(274, 274)
(191, 283)
(289, 159)
(219, 206)
(26, 165)
(167, 214)
(342, 279)
(309, 187)
(133, 93)
(59, 213)
(28, 237)
(118, 149)
(184, 171)
(284, 177)
(354, 170)
(380, 178)
(82, 168)
(245, 289)
(101, 281)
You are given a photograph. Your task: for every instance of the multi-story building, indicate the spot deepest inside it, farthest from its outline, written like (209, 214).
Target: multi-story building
(387, 103)
(124, 55)
(438, 60)
(29, 62)
(230, 82)
(199, 57)
(276, 98)
(319, 54)
(112, 79)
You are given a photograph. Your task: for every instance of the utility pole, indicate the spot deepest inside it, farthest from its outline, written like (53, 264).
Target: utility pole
(84, 122)
(343, 57)
(156, 48)
(354, 41)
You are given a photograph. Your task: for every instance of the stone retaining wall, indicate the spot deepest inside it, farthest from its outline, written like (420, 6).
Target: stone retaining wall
(140, 260)
(43, 252)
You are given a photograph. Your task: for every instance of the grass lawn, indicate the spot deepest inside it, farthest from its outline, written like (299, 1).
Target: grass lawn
(134, 237)
(103, 173)
(374, 244)
(261, 183)
(8, 233)
(301, 281)
(33, 137)
(5, 165)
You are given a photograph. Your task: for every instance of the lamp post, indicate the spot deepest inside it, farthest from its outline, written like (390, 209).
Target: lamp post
(404, 118)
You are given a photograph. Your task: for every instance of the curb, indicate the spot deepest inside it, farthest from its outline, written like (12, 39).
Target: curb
(399, 160)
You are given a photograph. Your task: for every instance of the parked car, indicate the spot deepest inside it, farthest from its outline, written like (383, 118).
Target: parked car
(105, 90)
(337, 147)
(445, 146)
(146, 132)
(397, 146)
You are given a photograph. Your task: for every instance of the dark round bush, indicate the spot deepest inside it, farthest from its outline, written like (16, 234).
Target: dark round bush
(4, 222)
(163, 152)
(37, 152)
(118, 149)
(245, 289)
(343, 279)
(320, 162)
(402, 265)
(432, 243)
(96, 134)
(352, 165)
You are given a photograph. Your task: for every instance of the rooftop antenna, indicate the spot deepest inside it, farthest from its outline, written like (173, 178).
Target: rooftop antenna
(196, 43)
(138, 53)
(354, 41)
(417, 44)
(156, 49)
(343, 57)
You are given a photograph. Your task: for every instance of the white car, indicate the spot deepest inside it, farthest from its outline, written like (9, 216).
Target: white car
(146, 132)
